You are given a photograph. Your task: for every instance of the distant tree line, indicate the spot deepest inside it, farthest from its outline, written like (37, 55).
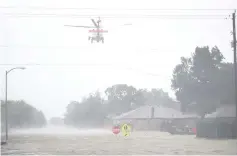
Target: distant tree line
(120, 98)
(21, 115)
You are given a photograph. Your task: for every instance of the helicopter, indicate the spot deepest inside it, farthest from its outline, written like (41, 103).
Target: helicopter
(97, 31)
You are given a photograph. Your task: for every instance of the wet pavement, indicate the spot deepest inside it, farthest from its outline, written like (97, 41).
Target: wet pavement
(105, 142)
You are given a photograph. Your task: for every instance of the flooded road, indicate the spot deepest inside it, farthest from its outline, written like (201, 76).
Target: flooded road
(66, 141)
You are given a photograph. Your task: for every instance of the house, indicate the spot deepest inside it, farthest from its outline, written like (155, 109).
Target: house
(153, 117)
(223, 112)
(219, 124)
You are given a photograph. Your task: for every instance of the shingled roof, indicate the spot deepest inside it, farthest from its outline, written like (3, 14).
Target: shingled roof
(159, 112)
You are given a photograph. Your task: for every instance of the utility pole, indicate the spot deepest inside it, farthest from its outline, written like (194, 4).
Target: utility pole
(6, 110)
(235, 67)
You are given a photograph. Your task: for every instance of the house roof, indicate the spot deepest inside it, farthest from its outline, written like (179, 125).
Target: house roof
(159, 112)
(223, 111)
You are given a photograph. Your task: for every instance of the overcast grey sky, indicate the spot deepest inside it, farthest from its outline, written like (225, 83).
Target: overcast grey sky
(131, 54)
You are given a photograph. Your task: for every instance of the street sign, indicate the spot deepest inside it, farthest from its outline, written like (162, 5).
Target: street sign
(116, 129)
(126, 129)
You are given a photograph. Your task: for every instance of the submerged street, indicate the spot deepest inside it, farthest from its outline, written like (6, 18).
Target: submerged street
(60, 141)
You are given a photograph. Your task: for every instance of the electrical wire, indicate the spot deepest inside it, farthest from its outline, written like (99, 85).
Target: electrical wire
(77, 65)
(55, 64)
(118, 16)
(28, 15)
(160, 16)
(112, 9)
(108, 15)
(42, 47)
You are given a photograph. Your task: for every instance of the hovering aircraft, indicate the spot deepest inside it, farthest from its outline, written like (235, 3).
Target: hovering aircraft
(97, 31)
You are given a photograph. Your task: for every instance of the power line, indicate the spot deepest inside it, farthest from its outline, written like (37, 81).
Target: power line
(112, 15)
(54, 64)
(76, 65)
(119, 16)
(42, 47)
(112, 9)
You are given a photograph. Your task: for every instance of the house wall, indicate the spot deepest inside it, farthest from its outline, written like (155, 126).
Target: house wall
(137, 124)
(217, 128)
(191, 122)
(156, 124)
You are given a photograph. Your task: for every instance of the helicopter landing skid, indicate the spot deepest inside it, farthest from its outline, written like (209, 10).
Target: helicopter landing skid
(93, 39)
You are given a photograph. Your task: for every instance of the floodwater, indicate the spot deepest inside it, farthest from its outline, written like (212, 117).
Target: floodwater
(70, 141)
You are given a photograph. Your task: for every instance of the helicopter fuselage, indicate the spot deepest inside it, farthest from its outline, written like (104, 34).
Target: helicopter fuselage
(96, 37)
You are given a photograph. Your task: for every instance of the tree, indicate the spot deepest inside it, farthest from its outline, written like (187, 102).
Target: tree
(22, 115)
(202, 81)
(121, 97)
(72, 112)
(140, 98)
(88, 112)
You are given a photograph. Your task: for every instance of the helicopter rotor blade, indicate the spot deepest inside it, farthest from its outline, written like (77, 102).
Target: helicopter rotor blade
(79, 26)
(94, 23)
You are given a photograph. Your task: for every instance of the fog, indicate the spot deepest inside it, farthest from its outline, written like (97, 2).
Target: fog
(165, 68)
(60, 130)
(46, 41)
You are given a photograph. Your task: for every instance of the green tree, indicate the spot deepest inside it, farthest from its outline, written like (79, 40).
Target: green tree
(22, 115)
(72, 112)
(121, 97)
(88, 112)
(203, 81)
(158, 97)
